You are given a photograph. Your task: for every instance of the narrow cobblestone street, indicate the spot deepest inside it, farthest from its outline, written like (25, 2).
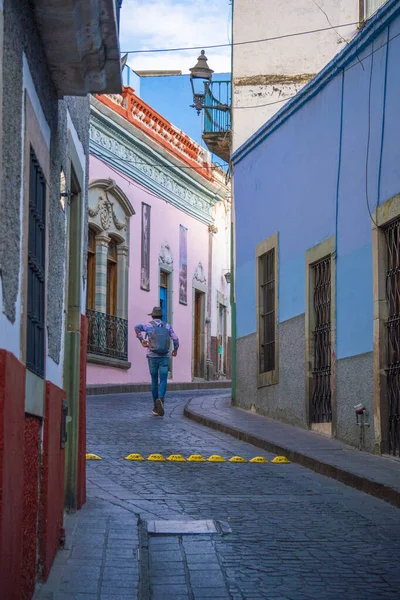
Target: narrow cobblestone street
(295, 534)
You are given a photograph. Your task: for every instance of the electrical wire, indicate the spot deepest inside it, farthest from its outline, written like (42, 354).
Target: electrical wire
(361, 60)
(270, 39)
(369, 141)
(142, 186)
(330, 23)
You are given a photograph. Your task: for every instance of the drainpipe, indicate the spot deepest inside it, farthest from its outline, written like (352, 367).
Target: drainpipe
(233, 301)
(209, 364)
(232, 294)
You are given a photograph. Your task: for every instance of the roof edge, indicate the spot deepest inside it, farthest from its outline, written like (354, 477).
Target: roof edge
(370, 30)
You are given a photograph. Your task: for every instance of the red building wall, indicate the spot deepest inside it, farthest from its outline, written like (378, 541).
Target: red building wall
(12, 437)
(52, 481)
(31, 483)
(30, 505)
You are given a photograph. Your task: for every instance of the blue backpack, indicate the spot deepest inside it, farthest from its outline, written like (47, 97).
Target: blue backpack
(159, 339)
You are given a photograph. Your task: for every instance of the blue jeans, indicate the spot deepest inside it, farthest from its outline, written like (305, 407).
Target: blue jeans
(159, 368)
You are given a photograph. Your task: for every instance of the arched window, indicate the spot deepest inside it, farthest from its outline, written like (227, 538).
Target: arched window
(107, 273)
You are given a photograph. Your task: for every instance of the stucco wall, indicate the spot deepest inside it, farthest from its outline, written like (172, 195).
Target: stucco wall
(221, 263)
(308, 182)
(165, 221)
(289, 56)
(19, 25)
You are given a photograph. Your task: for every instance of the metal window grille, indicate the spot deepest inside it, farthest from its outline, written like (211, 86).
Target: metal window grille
(35, 344)
(321, 406)
(267, 311)
(392, 235)
(107, 335)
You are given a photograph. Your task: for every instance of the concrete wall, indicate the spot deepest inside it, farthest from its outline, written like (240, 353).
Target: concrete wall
(306, 178)
(272, 71)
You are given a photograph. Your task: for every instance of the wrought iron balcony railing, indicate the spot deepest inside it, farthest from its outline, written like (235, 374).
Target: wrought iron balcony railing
(217, 118)
(217, 105)
(107, 335)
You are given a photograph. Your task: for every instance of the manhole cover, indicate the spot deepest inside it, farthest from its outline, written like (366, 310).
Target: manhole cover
(181, 527)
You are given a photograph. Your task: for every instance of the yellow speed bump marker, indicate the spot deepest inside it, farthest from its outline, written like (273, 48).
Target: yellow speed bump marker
(238, 459)
(259, 459)
(92, 457)
(216, 458)
(176, 458)
(134, 457)
(156, 458)
(196, 458)
(281, 460)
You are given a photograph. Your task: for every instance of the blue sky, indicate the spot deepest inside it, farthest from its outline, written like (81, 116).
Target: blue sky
(147, 24)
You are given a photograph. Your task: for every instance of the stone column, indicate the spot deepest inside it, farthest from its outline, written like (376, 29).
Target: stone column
(102, 241)
(122, 281)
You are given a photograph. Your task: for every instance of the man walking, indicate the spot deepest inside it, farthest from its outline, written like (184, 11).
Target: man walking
(156, 337)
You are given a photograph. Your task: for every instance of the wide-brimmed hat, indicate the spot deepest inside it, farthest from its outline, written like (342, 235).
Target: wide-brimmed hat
(156, 313)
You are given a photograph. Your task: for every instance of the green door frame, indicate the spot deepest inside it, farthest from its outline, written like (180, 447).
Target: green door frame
(73, 325)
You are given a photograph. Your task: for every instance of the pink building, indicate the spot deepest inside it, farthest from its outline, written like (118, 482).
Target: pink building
(159, 234)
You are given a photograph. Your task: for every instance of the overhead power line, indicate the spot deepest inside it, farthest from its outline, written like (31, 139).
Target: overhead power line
(360, 60)
(270, 39)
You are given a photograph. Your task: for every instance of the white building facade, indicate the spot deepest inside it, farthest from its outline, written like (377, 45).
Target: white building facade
(268, 73)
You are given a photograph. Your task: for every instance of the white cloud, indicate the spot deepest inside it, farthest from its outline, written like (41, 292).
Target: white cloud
(150, 24)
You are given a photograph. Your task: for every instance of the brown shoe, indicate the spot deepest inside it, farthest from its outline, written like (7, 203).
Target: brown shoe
(160, 407)
(155, 412)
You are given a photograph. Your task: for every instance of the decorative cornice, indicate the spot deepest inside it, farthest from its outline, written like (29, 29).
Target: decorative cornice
(123, 152)
(142, 115)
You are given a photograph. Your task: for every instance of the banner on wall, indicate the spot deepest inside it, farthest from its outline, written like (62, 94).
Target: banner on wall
(145, 260)
(182, 265)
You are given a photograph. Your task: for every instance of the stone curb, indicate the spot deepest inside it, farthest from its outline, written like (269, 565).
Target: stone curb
(368, 486)
(131, 388)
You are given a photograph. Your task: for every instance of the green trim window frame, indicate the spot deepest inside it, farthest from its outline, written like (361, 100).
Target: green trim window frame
(267, 311)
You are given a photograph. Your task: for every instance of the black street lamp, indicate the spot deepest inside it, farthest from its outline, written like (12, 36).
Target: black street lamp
(201, 80)
(200, 77)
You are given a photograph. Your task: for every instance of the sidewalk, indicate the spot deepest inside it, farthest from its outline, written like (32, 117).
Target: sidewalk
(371, 474)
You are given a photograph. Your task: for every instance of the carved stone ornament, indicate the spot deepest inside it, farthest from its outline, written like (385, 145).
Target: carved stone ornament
(105, 207)
(199, 274)
(165, 256)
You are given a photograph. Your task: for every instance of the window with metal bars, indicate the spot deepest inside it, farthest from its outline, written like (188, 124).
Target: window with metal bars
(35, 335)
(392, 236)
(266, 265)
(321, 400)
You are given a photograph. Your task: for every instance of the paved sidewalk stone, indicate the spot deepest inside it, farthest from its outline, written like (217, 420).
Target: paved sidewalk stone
(295, 534)
(375, 475)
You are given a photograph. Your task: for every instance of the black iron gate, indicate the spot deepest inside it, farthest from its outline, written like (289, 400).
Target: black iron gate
(392, 234)
(321, 406)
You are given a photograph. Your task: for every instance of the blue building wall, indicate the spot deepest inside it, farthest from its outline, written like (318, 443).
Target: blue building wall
(172, 96)
(307, 180)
